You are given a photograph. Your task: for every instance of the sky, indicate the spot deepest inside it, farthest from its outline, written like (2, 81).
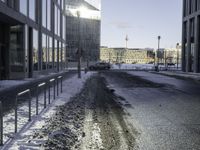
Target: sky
(142, 21)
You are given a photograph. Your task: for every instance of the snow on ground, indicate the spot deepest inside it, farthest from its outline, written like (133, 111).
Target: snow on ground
(71, 87)
(132, 66)
(194, 76)
(141, 67)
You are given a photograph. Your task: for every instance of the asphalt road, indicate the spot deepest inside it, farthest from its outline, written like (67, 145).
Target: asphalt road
(165, 111)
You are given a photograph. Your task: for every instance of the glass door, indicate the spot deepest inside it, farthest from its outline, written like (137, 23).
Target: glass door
(2, 53)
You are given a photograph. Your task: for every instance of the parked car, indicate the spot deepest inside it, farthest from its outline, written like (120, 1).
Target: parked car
(100, 66)
(170, 64)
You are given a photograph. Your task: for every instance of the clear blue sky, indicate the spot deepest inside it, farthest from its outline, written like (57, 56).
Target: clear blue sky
(143, 21)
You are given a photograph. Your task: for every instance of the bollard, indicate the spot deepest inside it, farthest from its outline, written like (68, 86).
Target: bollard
(57, 86)
(52, 80)
(49, 92)
(60, 77)
(54, 90)
(29, 107)
(16, 115)
(61, 84)
(1, 124)
(45, 97)
(37, 101)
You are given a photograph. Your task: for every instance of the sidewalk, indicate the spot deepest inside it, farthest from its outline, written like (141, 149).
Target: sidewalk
(10, 88)
(24, 139)
(181, 75)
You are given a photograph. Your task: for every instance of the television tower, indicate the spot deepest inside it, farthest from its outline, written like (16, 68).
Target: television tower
(126, 41)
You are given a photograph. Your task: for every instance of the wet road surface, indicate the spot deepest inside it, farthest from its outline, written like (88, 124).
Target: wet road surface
(165, 112)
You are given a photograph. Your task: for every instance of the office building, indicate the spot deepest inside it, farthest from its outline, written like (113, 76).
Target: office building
(82, 30)
(127, 55)
(32, 37)
(191, 36)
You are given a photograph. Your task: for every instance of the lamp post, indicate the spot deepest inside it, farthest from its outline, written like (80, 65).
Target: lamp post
(159, 37)
(177, 49)
(79, 45)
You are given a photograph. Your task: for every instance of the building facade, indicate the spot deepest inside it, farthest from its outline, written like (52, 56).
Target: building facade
(32, 37)
(128, 56)
(83, 30)
(191, 36)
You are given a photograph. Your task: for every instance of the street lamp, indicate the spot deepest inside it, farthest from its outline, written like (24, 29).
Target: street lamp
(159, 37)
(79, 44)
(177, 57)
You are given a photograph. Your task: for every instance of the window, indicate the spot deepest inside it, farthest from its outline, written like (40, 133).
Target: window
(60, 55)
(35, 49)
(64, 28)
(63, 55)
(49, 14)
(44, 13)
(44, 52)
(62, 3)
(50, 53)
(32, 9)
(55, 19)
(23, 6)
(16, 49)
(58, 32)
(55, 53)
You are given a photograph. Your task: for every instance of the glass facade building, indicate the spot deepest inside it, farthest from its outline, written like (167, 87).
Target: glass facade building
(191, 36)
(83, 30)
(32, 37)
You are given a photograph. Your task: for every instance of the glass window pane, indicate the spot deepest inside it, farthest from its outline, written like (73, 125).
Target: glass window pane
(44, 52)
(55, 53)
(32, 9)
(62, 4)
(50, 53)
(64, 27)
(35, 49)
(58, 22)
(63, 55)
(49, 14)
(44, 13)
(16, 49)
(23, 6)
(55, 19)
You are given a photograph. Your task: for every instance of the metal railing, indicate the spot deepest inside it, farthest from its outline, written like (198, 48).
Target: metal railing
(28, 91)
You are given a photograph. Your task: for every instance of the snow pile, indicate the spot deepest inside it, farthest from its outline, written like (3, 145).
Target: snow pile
(64, 129)
(132, 66)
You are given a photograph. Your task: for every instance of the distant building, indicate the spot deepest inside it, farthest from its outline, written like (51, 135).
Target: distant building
(128, 56)
(85, 28)
(191, 36)
(172, 56)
